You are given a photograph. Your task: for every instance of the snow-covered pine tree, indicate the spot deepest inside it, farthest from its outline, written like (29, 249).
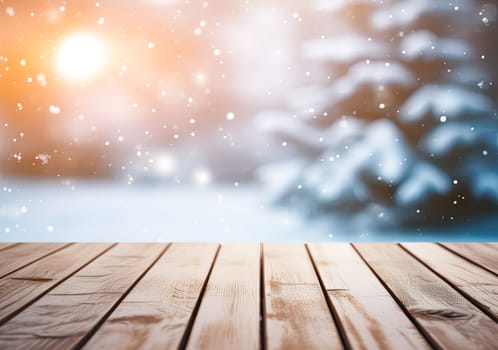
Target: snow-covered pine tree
(401, 126)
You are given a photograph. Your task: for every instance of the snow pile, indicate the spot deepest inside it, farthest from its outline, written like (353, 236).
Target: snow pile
(450, 101)
(424, 44)
(343, 49)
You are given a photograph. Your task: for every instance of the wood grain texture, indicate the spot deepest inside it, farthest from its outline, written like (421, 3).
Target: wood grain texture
(25, 285)
(61, 318)
(228, 317)
(448, 318)
(296, 312)
(196, 296)
(370, 317)
(483, 254)
(6, 245)
(475, 282)
(13, 257)
(156, 313)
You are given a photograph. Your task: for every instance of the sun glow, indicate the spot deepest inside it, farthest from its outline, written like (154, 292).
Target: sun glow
(81, 56)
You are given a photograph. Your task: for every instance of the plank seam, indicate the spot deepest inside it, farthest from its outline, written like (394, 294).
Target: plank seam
(9, 246)
(193, 316)
(35, 260)
(104, 318)
(262, 300)
(335, 316)
(431, 341)
(467, 259)
(25, 306)
(473, 301)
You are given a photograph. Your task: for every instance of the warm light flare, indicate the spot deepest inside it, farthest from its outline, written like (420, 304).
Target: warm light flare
(81, 56)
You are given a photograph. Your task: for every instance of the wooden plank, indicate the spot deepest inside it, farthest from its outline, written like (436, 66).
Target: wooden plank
(296, 312)
(17, 256)
(157, 312)
(7, 245)
(447, 317)
(27, 284)
(61, 318)
(228, 317)
(370, 317)
(477, 284)
(483, 254)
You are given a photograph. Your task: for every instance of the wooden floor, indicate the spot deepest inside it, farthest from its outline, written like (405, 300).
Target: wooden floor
(249, 296)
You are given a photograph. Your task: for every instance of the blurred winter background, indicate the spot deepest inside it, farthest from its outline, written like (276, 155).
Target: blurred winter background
(252, 120)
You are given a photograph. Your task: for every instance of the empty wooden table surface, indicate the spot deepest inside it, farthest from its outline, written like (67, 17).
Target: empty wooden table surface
(249, 296)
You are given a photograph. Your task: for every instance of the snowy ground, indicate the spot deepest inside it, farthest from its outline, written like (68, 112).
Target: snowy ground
(108, 211)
